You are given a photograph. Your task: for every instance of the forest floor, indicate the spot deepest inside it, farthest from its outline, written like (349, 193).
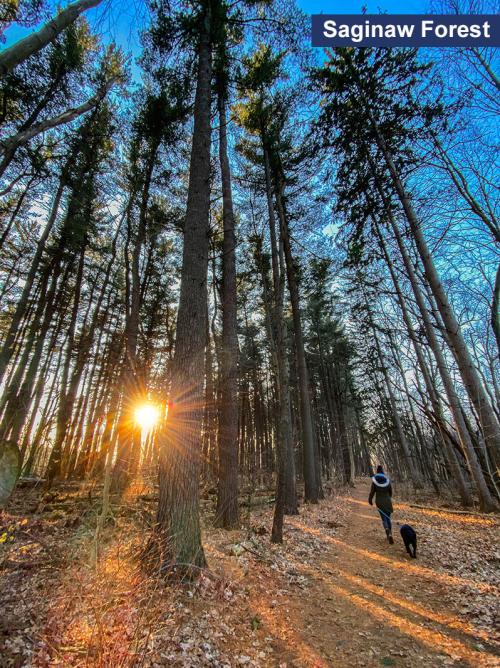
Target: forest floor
(334, 594)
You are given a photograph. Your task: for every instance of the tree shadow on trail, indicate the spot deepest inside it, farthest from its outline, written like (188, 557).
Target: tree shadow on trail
(401, 563)
(402, 602)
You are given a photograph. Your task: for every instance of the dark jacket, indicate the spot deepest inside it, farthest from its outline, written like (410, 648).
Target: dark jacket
(382, 491)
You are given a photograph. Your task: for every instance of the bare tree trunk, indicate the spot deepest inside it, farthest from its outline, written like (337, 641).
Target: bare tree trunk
(10, 144)
(8, 345)
(227, 492)
(287, 505)
(310, 483)
(132, 378)
(486, 501)
(180, 438)
(65, 399)
(17, 395)
(43, 423)
(495, 309)
(33, 43)
(415, 475)
(209, 448)
(486, 416)
(284, 419)
(438, 411)
(17, 208)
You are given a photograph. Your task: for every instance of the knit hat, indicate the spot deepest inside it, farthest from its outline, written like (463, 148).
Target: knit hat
(381, 480)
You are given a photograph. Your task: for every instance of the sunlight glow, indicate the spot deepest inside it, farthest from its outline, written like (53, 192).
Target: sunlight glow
(146, 416)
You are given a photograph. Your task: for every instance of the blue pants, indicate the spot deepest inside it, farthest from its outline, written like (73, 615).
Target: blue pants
(386, 520)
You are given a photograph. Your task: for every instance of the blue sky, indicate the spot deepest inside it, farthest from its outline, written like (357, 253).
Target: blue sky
(121, 20)
(354, 6)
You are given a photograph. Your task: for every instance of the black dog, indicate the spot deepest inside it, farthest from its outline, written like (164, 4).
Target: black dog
(409, 537)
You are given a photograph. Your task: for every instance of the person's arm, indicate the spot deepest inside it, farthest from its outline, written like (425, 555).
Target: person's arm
(372, 493)
(389, 489)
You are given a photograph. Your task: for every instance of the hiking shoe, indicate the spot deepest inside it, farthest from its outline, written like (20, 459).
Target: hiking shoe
(391, 539)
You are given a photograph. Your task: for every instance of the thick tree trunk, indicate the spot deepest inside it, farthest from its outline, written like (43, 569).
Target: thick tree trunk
(178, 515)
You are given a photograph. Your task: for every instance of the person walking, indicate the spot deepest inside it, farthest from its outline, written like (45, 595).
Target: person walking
(381, 489)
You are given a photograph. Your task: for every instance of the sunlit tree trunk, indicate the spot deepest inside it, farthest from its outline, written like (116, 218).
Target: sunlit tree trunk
(8, 145)
(24, 48)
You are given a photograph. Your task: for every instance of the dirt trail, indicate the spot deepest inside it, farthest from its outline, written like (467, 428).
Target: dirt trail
(334, 594)
(368, 604)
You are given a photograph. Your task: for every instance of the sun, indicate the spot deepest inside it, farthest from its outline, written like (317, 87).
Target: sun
(146, 416)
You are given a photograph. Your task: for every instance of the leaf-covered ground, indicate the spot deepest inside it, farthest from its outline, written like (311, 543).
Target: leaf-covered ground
(335, 594)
